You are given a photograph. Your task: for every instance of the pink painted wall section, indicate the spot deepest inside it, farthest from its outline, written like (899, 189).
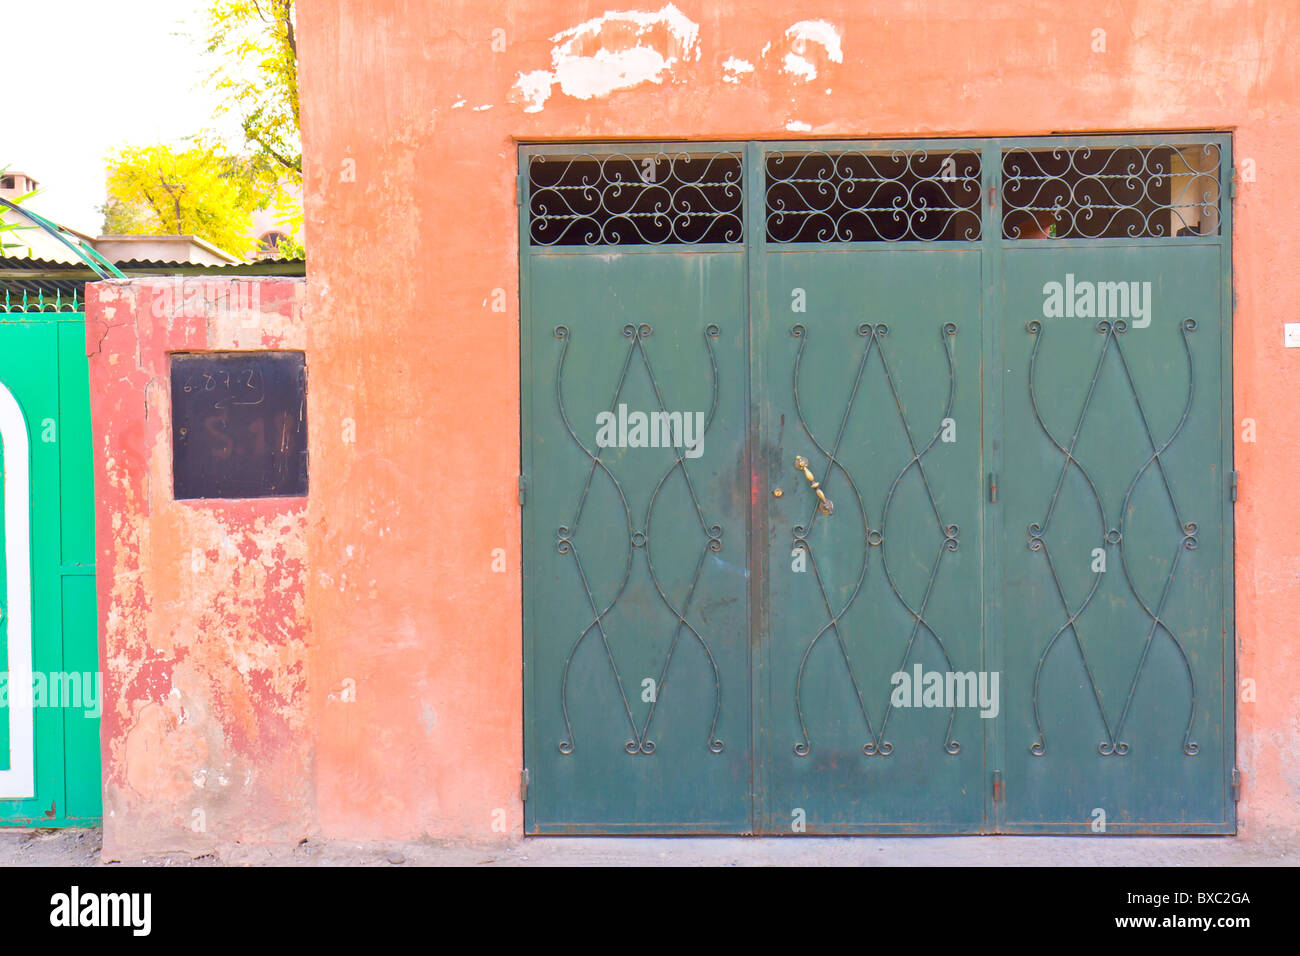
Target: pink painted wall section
(412, 112)
(206, 732)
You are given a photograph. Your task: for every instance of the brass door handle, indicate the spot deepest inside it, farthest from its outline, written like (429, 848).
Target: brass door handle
(824, 504)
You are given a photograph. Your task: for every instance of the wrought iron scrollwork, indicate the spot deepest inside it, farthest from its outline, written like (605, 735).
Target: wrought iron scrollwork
(620, 199)
(948, 536)
(639, 540)
(859, 196)
(1112, 535)
(1097, 192)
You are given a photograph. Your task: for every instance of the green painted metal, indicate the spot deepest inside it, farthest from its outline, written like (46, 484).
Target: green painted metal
(1133, 731)
(634, 535)
(912, 362)
(40, 302)
(1120, 538)
(886, 359)
(43, 364)
(101, 266)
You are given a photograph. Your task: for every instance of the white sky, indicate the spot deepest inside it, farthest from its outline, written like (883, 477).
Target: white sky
(81, 77)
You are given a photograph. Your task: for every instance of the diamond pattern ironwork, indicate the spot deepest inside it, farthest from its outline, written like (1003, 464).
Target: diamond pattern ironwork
(1112, 536)
(638, 541)
(948, 541)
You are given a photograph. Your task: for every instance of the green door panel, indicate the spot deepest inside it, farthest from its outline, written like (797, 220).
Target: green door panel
(638, 661)
(83, 791)
(880, 375)
(43, 365)
(1114, 548)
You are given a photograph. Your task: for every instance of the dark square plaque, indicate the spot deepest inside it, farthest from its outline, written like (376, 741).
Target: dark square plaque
(239, 424)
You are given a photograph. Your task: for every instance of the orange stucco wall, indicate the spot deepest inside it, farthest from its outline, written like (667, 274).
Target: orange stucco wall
(411, 116)
(403, 520)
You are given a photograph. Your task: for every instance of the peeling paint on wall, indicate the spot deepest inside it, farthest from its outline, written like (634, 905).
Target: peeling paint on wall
(733, 68)
(206, 733)
(616, 51)
(799, 60)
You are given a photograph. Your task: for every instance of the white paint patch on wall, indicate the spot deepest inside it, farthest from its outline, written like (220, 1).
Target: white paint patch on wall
(19, 781)
(631, 48)
(798, 126)
(796, 65)
(535, 87)
(733, 68)
(801, 34)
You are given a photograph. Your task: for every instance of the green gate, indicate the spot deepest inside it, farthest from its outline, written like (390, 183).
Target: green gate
(51, 692)
(952, 553)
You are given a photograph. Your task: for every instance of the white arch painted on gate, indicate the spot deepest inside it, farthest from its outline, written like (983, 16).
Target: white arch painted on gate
(18, 782)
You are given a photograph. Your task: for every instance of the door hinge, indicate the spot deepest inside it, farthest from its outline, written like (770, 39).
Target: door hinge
(1233, 487)
(993, 488)
(523, 489)
(521, 186)
(998, 790)
(1236, 785)
(1232, 185)
(523, 786)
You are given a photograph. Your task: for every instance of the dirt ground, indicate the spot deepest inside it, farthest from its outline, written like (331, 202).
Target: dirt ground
(82, 848)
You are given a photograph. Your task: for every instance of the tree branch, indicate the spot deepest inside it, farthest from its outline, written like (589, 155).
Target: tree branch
(286, 10)
(272, 151)
(176, 199)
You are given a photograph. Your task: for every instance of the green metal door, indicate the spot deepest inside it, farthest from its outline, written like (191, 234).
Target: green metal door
(637, 515)
(866, 601)
(52, 692)
(866, 384)
(1116, 598)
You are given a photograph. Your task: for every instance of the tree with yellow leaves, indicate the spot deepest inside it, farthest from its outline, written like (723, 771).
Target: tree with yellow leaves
(257, 47)
(159, 190)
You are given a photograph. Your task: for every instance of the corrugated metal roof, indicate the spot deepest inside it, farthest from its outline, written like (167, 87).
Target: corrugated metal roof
(256, 267)
(33, 277)
(52, 265)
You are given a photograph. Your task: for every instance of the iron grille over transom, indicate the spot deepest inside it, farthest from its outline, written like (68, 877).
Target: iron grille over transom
(857, 196)
(663, 195)
(1128, 192)
(622, 199)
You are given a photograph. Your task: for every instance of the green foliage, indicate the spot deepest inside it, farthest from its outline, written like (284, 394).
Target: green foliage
(291, 248)
(258, 75)
(288, 211)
